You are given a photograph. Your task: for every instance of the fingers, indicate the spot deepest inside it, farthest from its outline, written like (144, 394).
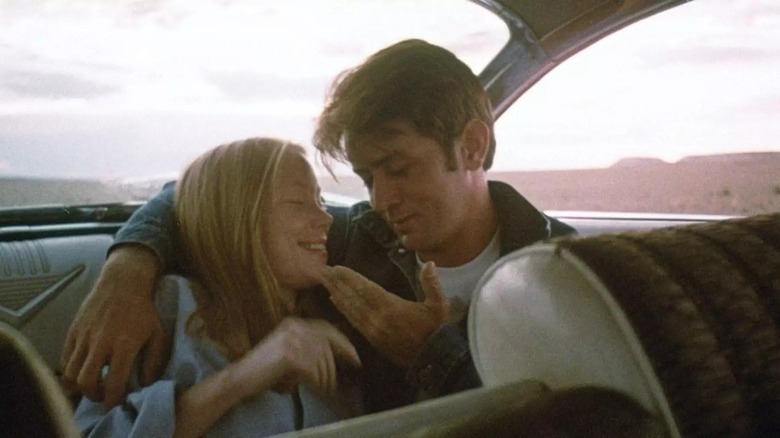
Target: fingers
(326, 346)
(115, 383)
(354, 295)
(320, 376)
(68, 350)
(328, 371)
(154, 357)
(431, 286)
(345, 296)
(351, 284)
(343, 348)
(358, 313)
(348, 304)
(333, 281)
(338, 347)
(72, 368)
(89, 372)
(348, 277)
(336, 341)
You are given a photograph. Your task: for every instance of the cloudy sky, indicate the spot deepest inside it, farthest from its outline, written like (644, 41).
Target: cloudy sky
(701, 78)
(137, 88)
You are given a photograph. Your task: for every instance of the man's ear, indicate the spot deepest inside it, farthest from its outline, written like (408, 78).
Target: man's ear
(474, 141)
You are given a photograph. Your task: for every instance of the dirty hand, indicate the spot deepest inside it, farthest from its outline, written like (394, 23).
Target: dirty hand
(117, 321)
(395, 326)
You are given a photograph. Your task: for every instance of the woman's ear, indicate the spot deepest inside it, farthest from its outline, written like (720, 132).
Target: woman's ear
(474, 141)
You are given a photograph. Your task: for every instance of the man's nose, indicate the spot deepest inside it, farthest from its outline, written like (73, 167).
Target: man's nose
(384, 194)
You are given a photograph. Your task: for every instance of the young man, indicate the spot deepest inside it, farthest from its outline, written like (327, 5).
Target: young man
(416, 125)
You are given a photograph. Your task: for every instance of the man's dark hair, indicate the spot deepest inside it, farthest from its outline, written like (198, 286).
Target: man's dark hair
(413, 81)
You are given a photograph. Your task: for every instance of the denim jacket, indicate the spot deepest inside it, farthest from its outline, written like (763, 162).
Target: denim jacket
(360, 239)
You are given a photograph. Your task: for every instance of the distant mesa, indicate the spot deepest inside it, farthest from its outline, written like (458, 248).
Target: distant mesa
(730, 159)
(747, 157)
(639, 162)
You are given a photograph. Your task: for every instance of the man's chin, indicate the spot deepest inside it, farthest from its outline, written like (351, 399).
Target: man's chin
(412, 242)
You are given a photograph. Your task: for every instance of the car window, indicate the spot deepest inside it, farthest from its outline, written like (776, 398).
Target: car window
(104, 101)
(674, 114)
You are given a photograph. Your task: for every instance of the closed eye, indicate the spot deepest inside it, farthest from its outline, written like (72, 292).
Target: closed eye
(397, 171)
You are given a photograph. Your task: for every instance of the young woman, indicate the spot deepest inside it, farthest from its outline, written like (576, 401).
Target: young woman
(246, 358)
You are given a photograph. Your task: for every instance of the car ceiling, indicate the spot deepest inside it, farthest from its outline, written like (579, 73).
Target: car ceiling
(543, 33)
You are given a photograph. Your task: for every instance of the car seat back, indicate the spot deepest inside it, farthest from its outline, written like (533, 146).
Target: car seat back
(683, 319)
(42, 284)
(31, 401)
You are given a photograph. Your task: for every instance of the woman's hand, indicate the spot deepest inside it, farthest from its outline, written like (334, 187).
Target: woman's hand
(297, 351)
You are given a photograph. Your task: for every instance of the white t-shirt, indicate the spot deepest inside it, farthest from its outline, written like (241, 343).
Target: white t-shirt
(459, 282)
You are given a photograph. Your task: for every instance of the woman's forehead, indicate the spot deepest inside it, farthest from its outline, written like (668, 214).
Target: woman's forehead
(295, 171)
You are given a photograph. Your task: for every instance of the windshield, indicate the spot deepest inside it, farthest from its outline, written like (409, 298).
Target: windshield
(105, 101)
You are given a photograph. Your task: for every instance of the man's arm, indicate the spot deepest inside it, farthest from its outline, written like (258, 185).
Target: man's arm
(154, 227)
(118, 320)
(443, 364)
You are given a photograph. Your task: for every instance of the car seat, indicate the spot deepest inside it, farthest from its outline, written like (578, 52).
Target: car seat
(684, 320)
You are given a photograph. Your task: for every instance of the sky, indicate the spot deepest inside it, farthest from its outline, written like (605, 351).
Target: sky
(136, 89)
(702, 78)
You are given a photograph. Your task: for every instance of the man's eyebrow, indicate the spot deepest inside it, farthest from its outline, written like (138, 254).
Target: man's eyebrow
(387, 132)
(372, 165)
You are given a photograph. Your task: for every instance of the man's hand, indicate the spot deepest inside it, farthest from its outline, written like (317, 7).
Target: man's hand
(114, 323)
(395, 326)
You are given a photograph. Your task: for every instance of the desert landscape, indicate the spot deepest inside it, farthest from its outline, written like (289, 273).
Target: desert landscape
(718, 184)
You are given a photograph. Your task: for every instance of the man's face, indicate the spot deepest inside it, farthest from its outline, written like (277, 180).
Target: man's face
(411, 186)
(297, 225)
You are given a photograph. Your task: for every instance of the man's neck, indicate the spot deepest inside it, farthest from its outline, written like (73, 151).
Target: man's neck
(473, 236)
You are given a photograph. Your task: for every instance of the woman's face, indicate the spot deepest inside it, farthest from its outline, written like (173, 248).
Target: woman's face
(297, 226)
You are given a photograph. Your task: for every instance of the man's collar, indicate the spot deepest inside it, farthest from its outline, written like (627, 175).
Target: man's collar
(521, 224)
(372, 222)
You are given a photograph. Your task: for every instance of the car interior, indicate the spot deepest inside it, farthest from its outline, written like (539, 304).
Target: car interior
(680, 312)
(666, 315)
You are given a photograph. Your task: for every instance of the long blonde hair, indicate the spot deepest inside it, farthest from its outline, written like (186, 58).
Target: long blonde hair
(220, 202)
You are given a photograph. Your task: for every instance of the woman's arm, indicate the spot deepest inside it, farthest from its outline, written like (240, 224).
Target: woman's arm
(297, 351)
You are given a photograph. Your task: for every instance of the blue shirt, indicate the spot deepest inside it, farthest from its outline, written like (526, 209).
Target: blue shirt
(151, 411)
